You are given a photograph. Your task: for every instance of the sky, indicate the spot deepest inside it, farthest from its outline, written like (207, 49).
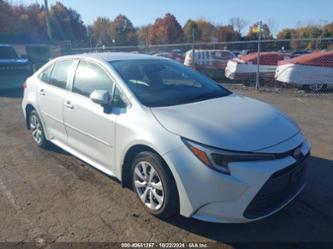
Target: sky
(283, 13)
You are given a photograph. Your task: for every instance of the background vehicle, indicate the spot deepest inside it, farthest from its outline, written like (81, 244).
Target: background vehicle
(245, 67)
(177, 56)
(211, 62)
(152, 123)
(13, 70)
(314, 71)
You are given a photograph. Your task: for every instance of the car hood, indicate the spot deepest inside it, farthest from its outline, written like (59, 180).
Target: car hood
(233, 122)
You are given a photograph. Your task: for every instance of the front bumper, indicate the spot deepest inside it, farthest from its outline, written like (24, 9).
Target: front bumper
(252, 191)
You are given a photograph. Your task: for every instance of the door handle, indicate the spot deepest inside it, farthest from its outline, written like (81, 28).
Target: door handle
(69, 105)
(42, 92)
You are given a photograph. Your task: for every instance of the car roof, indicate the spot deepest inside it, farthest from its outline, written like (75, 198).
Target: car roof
(115, 56)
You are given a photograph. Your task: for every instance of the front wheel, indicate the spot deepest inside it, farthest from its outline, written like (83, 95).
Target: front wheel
(154, 185)
(37, 129)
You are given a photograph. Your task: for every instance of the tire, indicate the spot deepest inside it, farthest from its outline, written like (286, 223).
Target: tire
(158, 195)
(37, 130)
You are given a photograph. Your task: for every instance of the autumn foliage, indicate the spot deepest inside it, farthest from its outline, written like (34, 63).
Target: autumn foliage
(165, 30)
(17, 20)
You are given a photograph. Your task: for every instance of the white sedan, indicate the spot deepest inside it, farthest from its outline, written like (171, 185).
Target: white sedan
(181, 142)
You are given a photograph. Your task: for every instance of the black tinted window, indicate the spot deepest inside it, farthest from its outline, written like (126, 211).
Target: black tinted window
(90, 77)
(60, 73)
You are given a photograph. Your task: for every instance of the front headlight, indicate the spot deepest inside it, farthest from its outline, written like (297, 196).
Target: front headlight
(219, 159)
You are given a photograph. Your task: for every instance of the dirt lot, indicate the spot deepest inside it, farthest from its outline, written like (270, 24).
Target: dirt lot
(50, 196)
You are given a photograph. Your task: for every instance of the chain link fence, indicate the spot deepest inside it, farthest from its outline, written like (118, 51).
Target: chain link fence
(304, 65)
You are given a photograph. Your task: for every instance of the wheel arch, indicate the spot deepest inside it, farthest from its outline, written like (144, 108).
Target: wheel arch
(127, 161)
(129, 157)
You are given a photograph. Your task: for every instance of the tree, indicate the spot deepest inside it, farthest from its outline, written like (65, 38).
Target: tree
(190, 27)
(286, 33)
(313, 32)
(328, 30)
(290, 34)
(100, 31)
(123, 32)
(142, 34)
(6, 18)
(165, 30)
(265, 33)
(20, 20)
(238, 24)
(66, 23)
(227, 33)
(271, 25)
(206, 30)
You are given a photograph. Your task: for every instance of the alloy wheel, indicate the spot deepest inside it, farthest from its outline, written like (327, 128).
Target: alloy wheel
(148, 185)
(36, 129)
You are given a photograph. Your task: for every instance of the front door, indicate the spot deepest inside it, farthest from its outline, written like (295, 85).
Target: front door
(91, 131)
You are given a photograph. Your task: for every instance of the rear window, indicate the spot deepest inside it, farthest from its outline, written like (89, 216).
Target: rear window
(45, 75)
(60, 73)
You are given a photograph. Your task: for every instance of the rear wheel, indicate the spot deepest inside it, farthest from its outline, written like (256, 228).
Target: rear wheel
(154, 185)
(37, 130)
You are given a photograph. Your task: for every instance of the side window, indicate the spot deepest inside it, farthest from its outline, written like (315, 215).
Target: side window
(118, 100)
(60, 73)
(90, 77)
(45, 75)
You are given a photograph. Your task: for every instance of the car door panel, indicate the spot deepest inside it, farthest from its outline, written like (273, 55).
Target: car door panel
(90, 130)
(51, 95)
(51, 101)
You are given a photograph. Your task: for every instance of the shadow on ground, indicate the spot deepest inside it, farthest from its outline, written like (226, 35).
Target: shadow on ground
(307, 219)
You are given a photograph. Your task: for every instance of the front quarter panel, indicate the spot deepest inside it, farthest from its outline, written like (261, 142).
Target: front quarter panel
(137, 126)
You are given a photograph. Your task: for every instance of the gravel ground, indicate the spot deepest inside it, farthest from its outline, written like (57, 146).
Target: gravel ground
(49, 196)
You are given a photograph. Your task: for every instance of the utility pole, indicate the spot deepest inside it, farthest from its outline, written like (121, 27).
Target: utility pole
(258, 56)
(47, 18)
(193, 47)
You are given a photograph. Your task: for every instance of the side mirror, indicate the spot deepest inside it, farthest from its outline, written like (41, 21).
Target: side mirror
(24, 56)
(101, 97)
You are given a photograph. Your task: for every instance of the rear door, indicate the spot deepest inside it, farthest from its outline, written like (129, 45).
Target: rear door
(51, 96)
(91, 131)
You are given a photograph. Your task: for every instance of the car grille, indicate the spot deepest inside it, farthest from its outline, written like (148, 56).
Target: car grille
(277, 190)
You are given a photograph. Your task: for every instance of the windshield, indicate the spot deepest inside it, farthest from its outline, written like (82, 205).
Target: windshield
(7, 53)
(165, 83)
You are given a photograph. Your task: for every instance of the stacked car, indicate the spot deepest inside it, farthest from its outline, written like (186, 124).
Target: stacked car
(314, 71)
(245, 66)
(209, 61)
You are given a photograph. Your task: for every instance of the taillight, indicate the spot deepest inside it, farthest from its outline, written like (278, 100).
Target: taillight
(25, 85)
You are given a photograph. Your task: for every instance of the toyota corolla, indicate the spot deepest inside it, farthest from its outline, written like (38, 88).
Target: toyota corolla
(183, 143)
